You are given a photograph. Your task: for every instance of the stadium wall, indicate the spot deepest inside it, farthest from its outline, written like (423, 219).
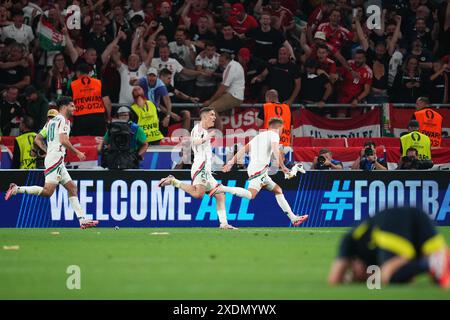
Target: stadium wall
(133, 199)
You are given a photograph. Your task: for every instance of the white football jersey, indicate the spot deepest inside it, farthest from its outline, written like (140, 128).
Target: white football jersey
(57, 125)
(261, 150)
(202, 152)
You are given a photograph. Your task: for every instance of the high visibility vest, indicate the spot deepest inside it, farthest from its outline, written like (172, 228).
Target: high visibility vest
(87, 96)
(283, 111)
(25, 142)
(430, 123)
(148, 120)
(419, 141)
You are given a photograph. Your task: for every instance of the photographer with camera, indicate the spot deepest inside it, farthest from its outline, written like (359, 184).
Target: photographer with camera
(325, 161)
(124, 144)
(368, 159)
(411, 161)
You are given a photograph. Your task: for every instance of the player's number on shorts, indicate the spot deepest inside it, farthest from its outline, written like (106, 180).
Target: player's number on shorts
(51, 132)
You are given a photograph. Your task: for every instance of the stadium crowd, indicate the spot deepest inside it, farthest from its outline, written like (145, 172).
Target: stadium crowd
(147, 55)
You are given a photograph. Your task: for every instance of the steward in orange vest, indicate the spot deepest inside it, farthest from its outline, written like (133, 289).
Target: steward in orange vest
(87, 94)
(430, 122)
(273, 109)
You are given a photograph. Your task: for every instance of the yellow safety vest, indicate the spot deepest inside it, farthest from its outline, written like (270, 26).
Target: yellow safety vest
(148, 121)
(25, 142)
(419, 141)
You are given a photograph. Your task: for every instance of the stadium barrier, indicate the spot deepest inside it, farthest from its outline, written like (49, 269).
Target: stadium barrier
(132, 199)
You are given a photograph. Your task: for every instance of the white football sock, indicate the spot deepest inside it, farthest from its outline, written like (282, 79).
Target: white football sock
(77, 208)
(240, 192)
(222, 214)
(284, 205)
(35, 190)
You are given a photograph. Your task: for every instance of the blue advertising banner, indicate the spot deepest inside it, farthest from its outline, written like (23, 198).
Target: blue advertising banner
(132, 199)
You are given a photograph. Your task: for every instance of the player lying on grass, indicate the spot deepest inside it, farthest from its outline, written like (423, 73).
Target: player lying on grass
(202, 179)
(58, 130)
(403, 242)
(261, 148)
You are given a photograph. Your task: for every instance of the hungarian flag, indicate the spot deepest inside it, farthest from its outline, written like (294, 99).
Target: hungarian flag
(50, 39)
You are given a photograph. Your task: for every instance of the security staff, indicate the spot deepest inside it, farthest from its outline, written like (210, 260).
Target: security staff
(415, 139)
(87, 94)
(23, 144)
(147, 116)
(274, 109)
(430, 122)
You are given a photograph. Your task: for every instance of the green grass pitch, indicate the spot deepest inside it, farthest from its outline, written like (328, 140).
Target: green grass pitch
(186, 263)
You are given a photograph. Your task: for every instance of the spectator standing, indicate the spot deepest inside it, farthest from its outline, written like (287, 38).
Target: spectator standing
(207, 61)
(18, 31)
(253, 67)
(58, 78)
(337, 36)
(15, 71)
(267, 41)
(316, 87)
(353, 89)
(184, 52)
(240, 21)
(36, 107)
(227, 41)
(10, 112)
(230, 93)
(23, 144)
(284, 17)
(283, 76)
(87, 95)
(409, 83)
(440, 82)
(166, 19)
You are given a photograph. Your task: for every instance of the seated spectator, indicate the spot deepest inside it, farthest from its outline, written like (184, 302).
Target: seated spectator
(208, 62)
(36, 107)
(368, 159)
(14, 71)
(253, 70)
(124, 144)
(267, 41)
(58, 78)
(414, 139)
(240, 21)
(147, 116)
(230, 93)
(325, 161)
(90, 111)
(10, 112)
(184, 52)
(23, 144)
(18, 31)
(409, 83)
(411, 161)
(227, 41)
(283, 76)
(440, 82)
(316, 87)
